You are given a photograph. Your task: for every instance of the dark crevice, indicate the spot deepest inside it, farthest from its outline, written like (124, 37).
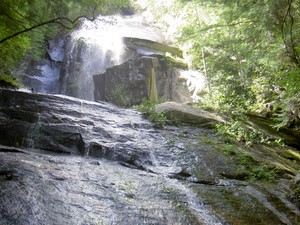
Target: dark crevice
(11, 150)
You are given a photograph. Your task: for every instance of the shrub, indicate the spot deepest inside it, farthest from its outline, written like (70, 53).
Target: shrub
(119, 96)
(148, 108)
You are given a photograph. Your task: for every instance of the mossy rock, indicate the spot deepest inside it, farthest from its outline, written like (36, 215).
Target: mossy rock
(151, 45)
(185, 114)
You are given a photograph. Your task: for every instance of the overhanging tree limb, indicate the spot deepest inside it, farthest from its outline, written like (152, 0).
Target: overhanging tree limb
(59, 20)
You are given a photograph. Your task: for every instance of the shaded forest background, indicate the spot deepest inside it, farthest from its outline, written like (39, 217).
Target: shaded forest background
(249, 50)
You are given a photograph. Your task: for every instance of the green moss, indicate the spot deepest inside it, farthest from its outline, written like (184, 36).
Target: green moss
(229, 149)
(174, 62)
(236, 206)
(220, 145)
(248, 168)
(73, 89)
(211, 141)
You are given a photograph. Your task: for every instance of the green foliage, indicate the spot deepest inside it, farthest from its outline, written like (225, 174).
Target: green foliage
(256, 170)
(8, 81)
(251, 48)
(290, 113)
(229, 149)
(240, 132)
(263, 172)
(119, 96)
(248, 167)
(148, 108)
(243, 132)
(17, 16)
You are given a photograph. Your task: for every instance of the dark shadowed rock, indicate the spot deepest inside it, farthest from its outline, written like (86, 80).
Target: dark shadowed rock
(64, 124)
(132, 79)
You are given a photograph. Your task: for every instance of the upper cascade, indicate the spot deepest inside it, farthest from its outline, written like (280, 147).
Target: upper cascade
(98, 45)
(108, 41)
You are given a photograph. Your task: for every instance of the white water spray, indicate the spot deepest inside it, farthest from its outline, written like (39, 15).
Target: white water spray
(96, 46)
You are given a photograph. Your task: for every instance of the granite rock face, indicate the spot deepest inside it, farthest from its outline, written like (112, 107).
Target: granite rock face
(137, 78)
(68, 161)
(68, 125)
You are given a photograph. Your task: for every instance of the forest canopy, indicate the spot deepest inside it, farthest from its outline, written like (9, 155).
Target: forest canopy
(251, 50)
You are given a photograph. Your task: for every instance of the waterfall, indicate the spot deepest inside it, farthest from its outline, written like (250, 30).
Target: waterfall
(49, 77)
(96, 46)
(43, 75)
(91, 49)
(74, 59)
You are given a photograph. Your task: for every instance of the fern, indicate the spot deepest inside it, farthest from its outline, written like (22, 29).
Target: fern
(290, 113)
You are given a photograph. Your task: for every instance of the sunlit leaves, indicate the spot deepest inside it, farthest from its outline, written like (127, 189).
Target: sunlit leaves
(252, 49)
(16, 16)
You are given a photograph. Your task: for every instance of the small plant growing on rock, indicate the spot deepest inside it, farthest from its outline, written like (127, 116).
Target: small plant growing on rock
(119, 96)
(148, 108)
(73, 89)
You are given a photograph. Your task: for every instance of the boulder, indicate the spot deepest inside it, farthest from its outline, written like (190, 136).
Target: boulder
(186, 114)
(139, 78)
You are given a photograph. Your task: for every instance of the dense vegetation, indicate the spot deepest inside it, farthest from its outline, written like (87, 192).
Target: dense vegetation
(25, 25)
(249, 51)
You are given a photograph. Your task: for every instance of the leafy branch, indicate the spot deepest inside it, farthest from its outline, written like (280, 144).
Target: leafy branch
(63, 21)
(226, 25)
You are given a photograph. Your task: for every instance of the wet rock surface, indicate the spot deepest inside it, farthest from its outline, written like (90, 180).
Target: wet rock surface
(68, 161)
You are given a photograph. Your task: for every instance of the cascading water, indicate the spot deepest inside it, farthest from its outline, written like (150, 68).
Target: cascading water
(96, 46)
(74, 59)
(91, 49)
(43, 75)
(49, 77)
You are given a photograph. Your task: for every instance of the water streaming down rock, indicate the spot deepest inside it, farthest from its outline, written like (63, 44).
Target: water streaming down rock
(96, 46)
(74, 59)
(32, 138)
(131, 173)
(90, 50)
